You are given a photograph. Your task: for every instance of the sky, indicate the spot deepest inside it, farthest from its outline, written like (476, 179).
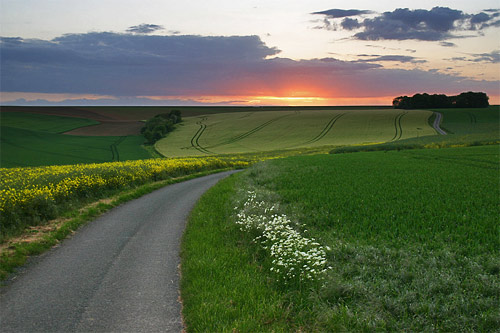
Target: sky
(247, 52)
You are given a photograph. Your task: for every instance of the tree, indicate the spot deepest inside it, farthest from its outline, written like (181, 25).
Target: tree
(425, 101)
(157, 127)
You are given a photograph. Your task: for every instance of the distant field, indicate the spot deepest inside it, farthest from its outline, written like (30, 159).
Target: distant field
(130, 113)
(39, 122)
(244, 132)
(36, 139)
(464, 127)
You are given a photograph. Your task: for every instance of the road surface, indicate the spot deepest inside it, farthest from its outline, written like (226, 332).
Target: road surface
(119, 273)
(436, 123)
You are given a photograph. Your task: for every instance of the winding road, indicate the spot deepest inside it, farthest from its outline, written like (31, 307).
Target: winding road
(436, 123)
(119, 273)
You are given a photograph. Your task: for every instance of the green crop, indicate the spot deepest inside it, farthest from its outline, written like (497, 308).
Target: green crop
(411, 237)
(252, 132)
(414, 235)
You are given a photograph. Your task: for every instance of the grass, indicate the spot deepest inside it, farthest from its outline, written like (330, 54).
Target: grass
(223, 290)
(413, 237)
(254, 132)
(23, 147)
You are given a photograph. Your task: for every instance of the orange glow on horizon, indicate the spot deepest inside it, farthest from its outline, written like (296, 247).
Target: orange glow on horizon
(296, 97)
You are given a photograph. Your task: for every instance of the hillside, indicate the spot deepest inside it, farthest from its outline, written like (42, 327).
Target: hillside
(246, 132)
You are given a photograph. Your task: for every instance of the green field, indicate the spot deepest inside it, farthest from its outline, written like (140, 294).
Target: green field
(464, 127)
(413, 239)
(43, 123)
(249, 132)
(35, 140)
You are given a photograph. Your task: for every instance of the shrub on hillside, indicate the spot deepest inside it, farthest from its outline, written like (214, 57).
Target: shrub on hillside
(161, 124)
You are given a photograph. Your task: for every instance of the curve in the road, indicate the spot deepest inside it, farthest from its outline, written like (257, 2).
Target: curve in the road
(119, 273)
(437, 121)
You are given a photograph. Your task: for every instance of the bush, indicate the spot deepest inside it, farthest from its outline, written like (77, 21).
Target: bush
(157, 127)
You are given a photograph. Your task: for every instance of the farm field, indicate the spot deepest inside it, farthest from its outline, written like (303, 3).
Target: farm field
(464, 127)
(37, 139)
(249, 132)
(412, 241)
(42, 123)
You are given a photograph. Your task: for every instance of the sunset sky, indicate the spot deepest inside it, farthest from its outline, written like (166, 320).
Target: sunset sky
(249, 52)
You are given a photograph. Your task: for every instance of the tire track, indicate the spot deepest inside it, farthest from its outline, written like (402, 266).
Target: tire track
(325, 130)
(472, 118)
(252, 131)
(115, 155)
(397, 126)
(195, 139)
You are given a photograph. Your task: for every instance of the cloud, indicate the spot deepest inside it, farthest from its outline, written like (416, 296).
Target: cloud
(350, 24)
(187, 67)
(145, 28)
(437, 24)
(125, 101)
(396, 58)
(447, 44)
(492, 57)
(337, 13)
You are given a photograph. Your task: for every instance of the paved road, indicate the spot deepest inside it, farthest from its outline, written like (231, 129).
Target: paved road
(117, 274)
(436, 123)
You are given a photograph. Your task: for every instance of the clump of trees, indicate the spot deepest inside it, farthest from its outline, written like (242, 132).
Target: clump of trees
(424, 101)
(161, 124)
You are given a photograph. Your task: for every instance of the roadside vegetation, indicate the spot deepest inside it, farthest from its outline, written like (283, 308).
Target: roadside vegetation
(34, 240)
(30, 196)
(412, 237)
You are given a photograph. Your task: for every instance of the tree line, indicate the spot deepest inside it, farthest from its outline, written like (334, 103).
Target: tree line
(424, 101)
(157, 127)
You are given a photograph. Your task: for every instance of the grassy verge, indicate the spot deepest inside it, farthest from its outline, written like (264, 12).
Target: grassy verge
(413, 238)
(15, 251)
(223, 288)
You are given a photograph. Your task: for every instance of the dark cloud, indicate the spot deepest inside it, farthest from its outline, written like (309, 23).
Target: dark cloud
(447, 44)
(131, 65)
(337, 13)
(437, 24)
(125, 101)
(124, 64)
(419, 24)
(396, 58)
(145, 28)
(350, 24)
(492, 57)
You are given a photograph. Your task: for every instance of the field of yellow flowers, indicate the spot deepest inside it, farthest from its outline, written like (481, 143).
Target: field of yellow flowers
(29, 196)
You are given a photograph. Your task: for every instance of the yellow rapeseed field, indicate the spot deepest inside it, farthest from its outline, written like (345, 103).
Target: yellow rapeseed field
(29, 195)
